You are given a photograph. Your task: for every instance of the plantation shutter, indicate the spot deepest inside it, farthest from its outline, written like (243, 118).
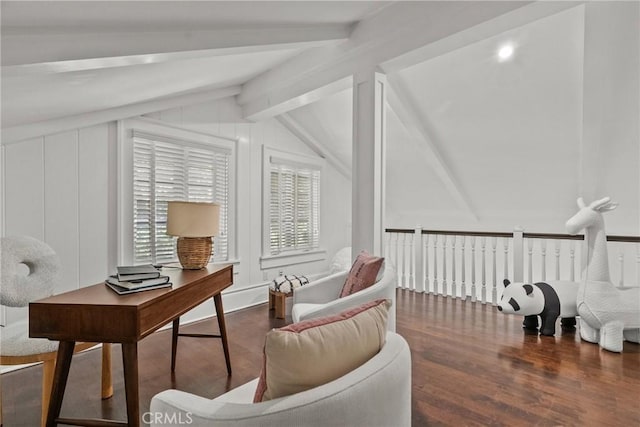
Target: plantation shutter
(165, 170)
(294, 208)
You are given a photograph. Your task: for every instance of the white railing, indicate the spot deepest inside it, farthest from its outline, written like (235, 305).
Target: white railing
(473, 265)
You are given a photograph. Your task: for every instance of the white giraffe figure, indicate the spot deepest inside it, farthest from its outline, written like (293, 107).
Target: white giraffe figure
(608, 315)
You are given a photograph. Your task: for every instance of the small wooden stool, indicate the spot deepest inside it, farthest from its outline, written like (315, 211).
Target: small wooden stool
(277, 302)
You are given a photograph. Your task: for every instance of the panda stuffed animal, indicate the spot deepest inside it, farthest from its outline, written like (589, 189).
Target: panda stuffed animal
(549, 300)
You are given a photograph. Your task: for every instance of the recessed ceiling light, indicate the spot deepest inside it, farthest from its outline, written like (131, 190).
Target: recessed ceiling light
(505, 52)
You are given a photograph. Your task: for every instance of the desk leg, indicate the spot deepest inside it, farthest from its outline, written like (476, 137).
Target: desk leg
(175, 330)
(63, 363)
(130, 365)
(217, 299)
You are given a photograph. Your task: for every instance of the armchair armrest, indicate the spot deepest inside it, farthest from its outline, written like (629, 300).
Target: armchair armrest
(321, 291)
(384, 288)
(341, 304)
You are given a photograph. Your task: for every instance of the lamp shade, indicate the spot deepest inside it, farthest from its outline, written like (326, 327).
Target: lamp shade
(193, 219)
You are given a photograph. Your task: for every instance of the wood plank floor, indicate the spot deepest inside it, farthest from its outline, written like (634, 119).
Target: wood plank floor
(471, 366)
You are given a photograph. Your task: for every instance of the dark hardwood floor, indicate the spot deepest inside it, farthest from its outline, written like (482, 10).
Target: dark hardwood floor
(471, 366)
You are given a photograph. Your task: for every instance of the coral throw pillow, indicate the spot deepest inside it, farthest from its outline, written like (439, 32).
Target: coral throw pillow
(314, 352)
(363, 273)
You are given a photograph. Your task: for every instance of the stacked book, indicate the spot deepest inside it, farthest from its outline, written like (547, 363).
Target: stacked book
(130, 279)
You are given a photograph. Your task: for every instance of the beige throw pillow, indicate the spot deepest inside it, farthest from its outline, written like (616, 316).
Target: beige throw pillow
(313, 352)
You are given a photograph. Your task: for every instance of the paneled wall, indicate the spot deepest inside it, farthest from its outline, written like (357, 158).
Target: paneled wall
(56, 188)
(62, 189)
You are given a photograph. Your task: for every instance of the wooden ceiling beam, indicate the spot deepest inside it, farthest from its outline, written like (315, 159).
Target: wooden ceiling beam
(317, 146)
(38, 48)
(32, 130)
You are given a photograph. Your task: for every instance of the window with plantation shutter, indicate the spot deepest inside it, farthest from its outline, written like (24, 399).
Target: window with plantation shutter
(293, 204)
(166, 169)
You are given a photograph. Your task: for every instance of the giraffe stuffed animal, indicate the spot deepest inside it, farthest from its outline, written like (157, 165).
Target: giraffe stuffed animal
(608, 315)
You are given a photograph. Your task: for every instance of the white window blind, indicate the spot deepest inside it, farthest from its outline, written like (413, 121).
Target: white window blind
(294, 207)
(164, 170)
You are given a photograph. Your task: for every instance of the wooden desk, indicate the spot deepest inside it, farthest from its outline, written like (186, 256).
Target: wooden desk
(97, 314)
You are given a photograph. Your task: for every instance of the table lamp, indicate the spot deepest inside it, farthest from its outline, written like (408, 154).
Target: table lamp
(194, 223)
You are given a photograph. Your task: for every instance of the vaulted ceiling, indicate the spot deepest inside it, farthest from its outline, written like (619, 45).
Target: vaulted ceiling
(451, 98)
(67, 58)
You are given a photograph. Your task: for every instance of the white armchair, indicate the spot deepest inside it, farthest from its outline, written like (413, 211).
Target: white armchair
(378, 393)
(321, 298)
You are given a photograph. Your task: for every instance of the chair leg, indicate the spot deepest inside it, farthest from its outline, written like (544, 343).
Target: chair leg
(48, 368)
(107, 384)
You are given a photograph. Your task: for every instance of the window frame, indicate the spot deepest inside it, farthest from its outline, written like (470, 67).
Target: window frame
(268, 260)
(125, 137)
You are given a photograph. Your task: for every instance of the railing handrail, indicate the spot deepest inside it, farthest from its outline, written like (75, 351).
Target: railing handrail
(610, 238)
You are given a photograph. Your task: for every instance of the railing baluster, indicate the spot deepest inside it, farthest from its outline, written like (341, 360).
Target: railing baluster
(530, 266)
(407, 260)
(445, 291)
(494, 289)
(404, 261)
(397, 258)
(474, 297)
(638, 263)
(557, 247)
(436, 291)
(426, 264)
(454, 290)
(401, 239)
(463, 287)
(410, 283)
(483, 291)
(399, 246)
(418, 259)
(505, 247)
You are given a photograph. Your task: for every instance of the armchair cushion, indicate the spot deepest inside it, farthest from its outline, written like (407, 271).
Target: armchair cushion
(308, 354)
(363, 273)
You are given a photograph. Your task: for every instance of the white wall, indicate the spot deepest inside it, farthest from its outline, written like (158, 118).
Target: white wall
(224, 118)
(523, 139)
(611, 115)
(62, 189)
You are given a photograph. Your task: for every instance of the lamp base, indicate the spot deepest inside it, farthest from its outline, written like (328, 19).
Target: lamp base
(194, 252)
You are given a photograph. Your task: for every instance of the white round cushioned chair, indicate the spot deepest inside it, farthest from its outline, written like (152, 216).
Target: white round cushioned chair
(29, 272)
(378, 393)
